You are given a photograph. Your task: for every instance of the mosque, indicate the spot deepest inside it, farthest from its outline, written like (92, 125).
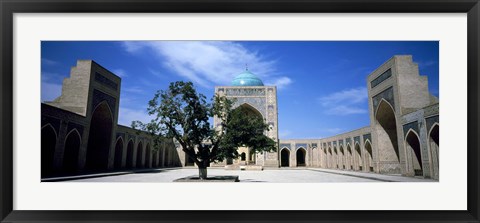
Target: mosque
(80, 134)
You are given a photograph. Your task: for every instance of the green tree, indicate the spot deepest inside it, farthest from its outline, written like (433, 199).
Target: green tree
(182, 113)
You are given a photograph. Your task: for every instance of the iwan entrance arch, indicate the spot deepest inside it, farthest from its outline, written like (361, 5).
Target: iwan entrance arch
(250, 94)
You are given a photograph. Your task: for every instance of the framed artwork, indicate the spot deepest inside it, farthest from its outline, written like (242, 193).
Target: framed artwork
(103, 25)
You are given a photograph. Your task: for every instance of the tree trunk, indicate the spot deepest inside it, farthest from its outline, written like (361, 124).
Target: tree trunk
(202, 173)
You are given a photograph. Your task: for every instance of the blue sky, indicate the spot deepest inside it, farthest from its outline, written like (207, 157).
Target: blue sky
(321, 84)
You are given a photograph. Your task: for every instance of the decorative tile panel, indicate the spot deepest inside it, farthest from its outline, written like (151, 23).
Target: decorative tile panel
(387, 94)
(304, 145)
(411, 125)
(356, 139)
(431, 120)
(105, 81)
(99, 96)
(245, 92)
(367, 136)
(385, 75)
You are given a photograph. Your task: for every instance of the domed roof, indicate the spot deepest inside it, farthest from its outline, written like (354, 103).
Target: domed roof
(246, 78)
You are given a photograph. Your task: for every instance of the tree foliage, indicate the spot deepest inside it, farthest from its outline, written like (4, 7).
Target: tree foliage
(183, 114)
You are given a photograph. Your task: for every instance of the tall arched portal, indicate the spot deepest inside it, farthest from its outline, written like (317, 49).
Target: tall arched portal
(285, 158)
(434, 146)
(129, 162)
(387, 137)
(413, 145)
(249, 93)
(139, 163)
(72, 147)
(251, 112)
(99, 138)
(118, 153)
(49, 141)
(301, 157)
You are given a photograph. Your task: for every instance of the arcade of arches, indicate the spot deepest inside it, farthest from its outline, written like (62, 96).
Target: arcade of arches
(81, 136)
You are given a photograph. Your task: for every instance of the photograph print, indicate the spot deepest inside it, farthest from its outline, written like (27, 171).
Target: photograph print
(240, 111)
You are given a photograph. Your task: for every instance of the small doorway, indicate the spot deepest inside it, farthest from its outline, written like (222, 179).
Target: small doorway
(285, 158)
(301, 157)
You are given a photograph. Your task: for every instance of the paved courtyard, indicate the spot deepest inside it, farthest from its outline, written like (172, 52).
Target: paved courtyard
(293, 175)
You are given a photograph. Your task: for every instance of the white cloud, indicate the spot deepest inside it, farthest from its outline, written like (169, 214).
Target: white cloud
(284, 133)
(345, 102)
(127, 115)
(281, 82)
(50, 91)
(133, 46)
(345, 110)
(155, 72)
(46, 61)
(426, 63)
(120, 72)
(207, 62)
(50, 76)
(135, 90)
(333, 130)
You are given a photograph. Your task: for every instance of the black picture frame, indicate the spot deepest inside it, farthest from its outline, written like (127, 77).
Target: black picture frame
(9, 7)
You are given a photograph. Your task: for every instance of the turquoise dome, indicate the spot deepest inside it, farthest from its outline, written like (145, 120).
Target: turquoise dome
(247, 79)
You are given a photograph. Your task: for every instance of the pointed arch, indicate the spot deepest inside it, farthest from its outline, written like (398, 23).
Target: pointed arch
(99, 139)
(335, 157)
(358, 156)
(412, 143)
(52, 128)
(386, 102)
(349, 149)
(148, 156)
(49, 142)
(250, 109)
(433, 146)
(386, 132)
(155, 159)
(434, 132)
(72, 144)
(285, 157)
(301, 155)
(342, 157)
(118, 153)
(350, 156)
(368, 148)
(139, 163)
(130, 150)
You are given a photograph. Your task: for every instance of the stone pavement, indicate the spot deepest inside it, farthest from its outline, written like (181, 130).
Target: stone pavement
(283, 175)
